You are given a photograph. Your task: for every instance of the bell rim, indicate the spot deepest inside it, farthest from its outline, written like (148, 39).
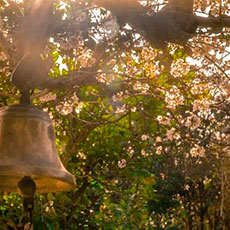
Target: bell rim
(61, 179)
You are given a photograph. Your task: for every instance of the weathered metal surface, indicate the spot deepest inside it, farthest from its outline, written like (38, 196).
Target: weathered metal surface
(27, 148)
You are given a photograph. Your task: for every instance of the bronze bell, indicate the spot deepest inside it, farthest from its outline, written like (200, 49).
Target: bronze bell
(27, 148)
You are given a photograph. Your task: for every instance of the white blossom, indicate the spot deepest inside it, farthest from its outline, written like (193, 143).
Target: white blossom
(122, 163)
(159, 150)
(197, 151)
(170, 134)
(193, 122)
(163, 120)
(111, 28)
(144, 137)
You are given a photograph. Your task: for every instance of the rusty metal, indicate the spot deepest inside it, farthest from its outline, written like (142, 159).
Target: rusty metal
(27, 148)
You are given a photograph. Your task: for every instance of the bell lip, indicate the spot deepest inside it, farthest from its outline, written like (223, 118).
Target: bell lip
(62, 180)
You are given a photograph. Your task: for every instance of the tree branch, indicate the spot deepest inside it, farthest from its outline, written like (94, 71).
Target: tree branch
(7, 95)
(78, 78)
(213, 22)
(162, 27)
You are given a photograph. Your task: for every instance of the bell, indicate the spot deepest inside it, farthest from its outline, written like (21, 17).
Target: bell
(27, 148)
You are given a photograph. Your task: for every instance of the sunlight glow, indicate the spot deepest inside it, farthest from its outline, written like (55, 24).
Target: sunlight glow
(201, 14)
(61, 65)
(62, 5)
(19, 1)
